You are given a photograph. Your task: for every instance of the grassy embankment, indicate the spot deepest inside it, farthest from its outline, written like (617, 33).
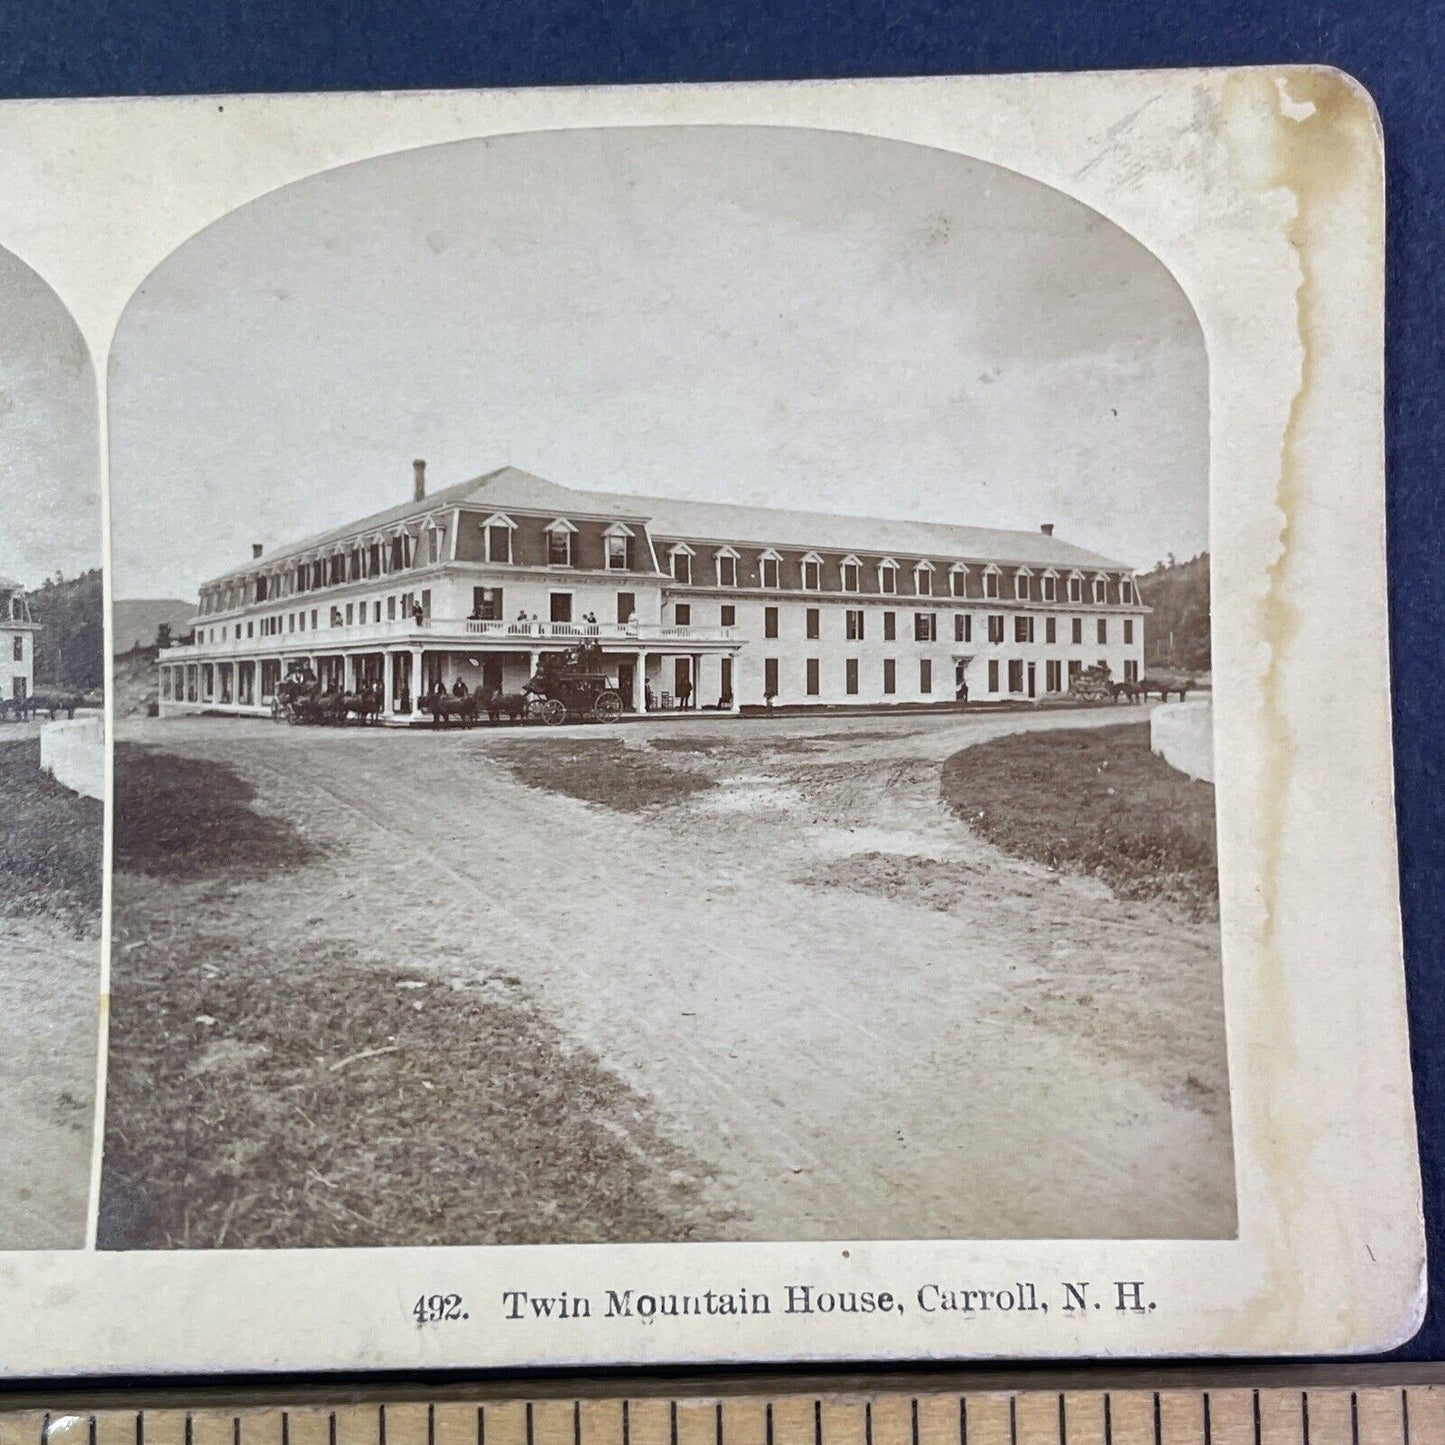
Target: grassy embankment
(1097, 802)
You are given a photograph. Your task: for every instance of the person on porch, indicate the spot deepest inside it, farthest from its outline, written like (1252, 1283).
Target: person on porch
(684, 692)
(459, 687)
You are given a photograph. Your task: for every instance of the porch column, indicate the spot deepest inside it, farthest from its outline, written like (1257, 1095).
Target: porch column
(388, 674)
(416, 681)
(348, 673)
(695, 663)
(534, 660)
(735, 705)
(639, 684)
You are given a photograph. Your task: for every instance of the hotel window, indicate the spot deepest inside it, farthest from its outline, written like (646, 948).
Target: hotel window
(850, 574)
(812, 574)
(301, 622)
(853, 624)
(890, 675)
(923, 580)
(682, 568)
(498, 538)
(1053, 677)
(313, 619)
(1127, 595)
(1103, 629)
(925, 674)
(890, 626)
(888, 578)
(348, 615)
(812, 674)
(682, 614)
(1076, 589)
(1101, 591)
(770, 621)
(962, 627)
(1050, 587)
(290, 622)
(1128, 629)
(487, 604)
(995, 627)
(1023, 629)
(990, 582)
(925, 627)
(391, 608)
(768, 569)
(1131, 670)
(728, 615)
(627, 606)
(373, 559)
(617, 558)
(958, 581)
(1015, 675)
(814, 624)
(770, 677)
(850, 675)
(1051, 629)
(1022, 582)
(19, 649)
(559, 607)
(250, 629)
(559, 546)
(1078, 633)
(727, 569)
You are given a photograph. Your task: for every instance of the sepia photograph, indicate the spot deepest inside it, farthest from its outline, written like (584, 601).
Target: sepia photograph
(662, 690)
(52, 764)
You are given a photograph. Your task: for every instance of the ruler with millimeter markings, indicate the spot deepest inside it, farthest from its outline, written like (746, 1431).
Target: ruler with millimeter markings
(830, 1413)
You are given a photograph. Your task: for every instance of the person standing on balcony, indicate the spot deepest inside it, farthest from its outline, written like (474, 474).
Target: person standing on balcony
(417, 615)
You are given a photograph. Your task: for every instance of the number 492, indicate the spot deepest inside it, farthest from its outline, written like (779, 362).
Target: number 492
(435, 1309)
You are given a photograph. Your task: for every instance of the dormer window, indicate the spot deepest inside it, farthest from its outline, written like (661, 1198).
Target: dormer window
(888, 576)
(559, 542)
(923, 579)
(1049, 586)
(812, 573)
(434, 536)
(991, 577)
(1126, 591)
(680, 559)
(617, 552)
(1021, 584)
(727, 567)
(768, 569)
(497, 538)
(851, 571)
(1076, 586)
(958, 580)
(1101, 589)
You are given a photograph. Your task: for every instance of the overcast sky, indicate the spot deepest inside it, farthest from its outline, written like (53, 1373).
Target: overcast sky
(781, 317)
(49, 434)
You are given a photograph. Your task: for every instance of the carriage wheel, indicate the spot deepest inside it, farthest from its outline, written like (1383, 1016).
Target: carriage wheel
(292, 715)
(608, 707)
(554, 712)
(277, 708)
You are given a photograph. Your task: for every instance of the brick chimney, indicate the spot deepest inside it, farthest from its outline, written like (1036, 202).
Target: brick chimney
(256, 549)
(418, 480)
(1047, 528)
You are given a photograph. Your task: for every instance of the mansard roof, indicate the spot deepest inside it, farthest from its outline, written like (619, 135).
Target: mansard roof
(511, 488)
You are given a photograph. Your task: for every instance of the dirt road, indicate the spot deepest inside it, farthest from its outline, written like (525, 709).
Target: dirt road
(867, 1021)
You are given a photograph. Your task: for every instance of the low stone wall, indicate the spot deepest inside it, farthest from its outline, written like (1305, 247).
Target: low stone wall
(1182, 733)
(73, 753)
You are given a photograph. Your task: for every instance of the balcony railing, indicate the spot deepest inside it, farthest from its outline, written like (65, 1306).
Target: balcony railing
(521, 635)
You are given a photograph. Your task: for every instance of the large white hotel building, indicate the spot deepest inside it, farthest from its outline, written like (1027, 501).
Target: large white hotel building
(746, 604)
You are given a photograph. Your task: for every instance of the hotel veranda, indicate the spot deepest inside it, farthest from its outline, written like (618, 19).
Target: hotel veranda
(730, 606)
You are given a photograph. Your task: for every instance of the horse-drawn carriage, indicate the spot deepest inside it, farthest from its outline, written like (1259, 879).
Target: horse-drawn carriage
(573, 686)
(1092, 684)
(299, 698)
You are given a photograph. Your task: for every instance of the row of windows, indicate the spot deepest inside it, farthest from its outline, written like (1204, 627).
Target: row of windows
(1021, 584)
(1022, 677)
(925, 625)
(398, 606)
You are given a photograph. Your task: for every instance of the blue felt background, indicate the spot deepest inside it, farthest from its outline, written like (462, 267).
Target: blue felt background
(91, 47)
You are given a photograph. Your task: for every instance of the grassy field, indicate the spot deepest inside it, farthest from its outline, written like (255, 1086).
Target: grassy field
(271, 1087)
(1095, 802)
(50, 844)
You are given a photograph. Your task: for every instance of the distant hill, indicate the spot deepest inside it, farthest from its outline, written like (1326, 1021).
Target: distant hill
(1176, 634)
(70, 647)
(135, 620)
(133, 682)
